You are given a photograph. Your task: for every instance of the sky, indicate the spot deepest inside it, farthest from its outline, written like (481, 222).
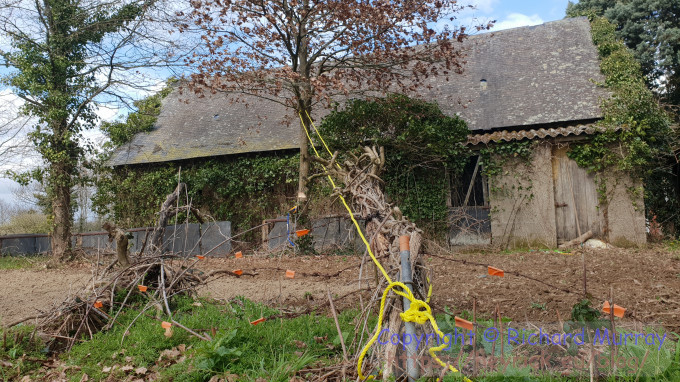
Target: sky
(517, 13)
(507, 14)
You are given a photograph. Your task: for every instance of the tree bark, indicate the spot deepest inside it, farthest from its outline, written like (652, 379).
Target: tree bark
(61, 210)
(164, 215)
(121, 238)
(304, 157)
(304, 108)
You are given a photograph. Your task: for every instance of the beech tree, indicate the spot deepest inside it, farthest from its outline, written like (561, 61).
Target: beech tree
(301, 53)
(66, 58)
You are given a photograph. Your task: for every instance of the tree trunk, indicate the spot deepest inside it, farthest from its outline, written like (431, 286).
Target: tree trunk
(304, 108)
(61, 210)
(164, 215)
(121, 239)
(304, 157)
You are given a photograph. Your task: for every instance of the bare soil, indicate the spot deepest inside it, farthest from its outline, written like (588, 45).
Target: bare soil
(644, 281)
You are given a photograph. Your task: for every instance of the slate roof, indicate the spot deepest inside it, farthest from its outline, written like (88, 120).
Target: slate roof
(191, 127)
(534, 76)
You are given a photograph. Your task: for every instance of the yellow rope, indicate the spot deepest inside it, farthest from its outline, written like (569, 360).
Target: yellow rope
(419, 311)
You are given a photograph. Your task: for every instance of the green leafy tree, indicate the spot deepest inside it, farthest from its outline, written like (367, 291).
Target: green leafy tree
(64, 58)
(638, 138)
(422, 147)
(651, 28)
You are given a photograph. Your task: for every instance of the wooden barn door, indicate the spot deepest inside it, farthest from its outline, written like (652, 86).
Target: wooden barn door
(575, 198)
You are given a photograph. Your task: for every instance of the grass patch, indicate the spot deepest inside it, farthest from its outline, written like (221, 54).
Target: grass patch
(21, 262)
(19, 348)
(273, 350)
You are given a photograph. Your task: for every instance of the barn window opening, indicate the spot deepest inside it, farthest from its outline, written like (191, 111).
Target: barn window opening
(471, 188)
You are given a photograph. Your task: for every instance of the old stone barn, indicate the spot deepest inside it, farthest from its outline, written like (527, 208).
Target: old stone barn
(527, 94)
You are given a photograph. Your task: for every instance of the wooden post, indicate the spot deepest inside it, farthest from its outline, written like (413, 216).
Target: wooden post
(500, 327)
(612, 351)
(474, 339)
(265, 232)
(585, 284)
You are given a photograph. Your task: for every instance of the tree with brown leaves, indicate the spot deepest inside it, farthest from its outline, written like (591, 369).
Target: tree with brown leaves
(300, 53)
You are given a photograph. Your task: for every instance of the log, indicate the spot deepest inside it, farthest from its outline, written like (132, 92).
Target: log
(576, 241)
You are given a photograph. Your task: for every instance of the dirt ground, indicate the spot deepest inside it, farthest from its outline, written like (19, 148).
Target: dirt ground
(645, 281)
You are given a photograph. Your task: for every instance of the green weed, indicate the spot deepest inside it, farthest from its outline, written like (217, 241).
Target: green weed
(21, 262)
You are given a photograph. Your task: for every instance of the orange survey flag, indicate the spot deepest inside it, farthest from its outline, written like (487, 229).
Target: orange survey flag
(142, 288)
(238, 272)
(168, 328)
(258, 321)
(98, 304)
(238, 255)
(619, 311)
(462, 323)
(290, 274)
(496, 272)
(302, 232)
(200, 257)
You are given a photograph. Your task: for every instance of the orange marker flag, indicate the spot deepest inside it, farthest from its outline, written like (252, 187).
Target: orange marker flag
(258, 321)
(200, 257)
(619, 311)
(290, 274)
(238, 272)
(496, 272)
(98, 304)
(302, 232)
(168, 328)
(462, 323)
(238, 255)
(142, 288)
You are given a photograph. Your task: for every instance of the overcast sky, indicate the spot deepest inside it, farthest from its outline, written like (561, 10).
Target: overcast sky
(507, 13)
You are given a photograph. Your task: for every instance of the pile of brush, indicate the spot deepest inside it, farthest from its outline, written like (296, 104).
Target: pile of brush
(158, 278)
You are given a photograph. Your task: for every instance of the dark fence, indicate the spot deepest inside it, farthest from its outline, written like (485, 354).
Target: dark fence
(327, 232)
(212, 239)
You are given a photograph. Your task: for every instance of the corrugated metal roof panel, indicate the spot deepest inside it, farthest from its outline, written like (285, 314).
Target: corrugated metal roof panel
(507, 135)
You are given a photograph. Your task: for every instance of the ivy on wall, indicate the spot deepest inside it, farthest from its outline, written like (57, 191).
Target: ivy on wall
(423, 147)
(241, 189)
(637, 135)
(499, 162)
